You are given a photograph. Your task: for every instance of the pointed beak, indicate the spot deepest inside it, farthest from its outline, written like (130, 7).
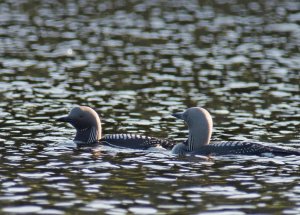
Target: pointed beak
(63, 119)
(178, 115)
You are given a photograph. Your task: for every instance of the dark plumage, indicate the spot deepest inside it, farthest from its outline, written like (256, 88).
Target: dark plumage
(88, 131)
(244, 148)
(200, 126)
(135, 141)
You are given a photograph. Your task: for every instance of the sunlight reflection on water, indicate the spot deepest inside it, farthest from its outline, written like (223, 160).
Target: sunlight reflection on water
(137, 62)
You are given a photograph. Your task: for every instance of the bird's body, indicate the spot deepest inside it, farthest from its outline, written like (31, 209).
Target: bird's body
(135, 141)
(244, 148)
(199, 122)
(88, 132)
(88, 126)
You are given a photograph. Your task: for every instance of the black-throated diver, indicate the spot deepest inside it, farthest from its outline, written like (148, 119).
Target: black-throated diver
(200, 126)
(88, 126)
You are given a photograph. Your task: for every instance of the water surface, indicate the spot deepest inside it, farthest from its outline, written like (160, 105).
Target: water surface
(136, 62)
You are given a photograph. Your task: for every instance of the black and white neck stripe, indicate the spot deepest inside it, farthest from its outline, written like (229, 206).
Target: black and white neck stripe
(93, 135)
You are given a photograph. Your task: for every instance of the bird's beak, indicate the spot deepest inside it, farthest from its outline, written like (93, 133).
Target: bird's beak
(63, 119)
(178, 115)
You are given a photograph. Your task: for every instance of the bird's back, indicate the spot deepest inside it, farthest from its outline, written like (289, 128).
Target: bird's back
(135, 141)
(244, 148)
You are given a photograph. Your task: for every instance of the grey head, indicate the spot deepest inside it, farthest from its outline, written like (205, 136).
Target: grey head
(86, 122)
(200, 126)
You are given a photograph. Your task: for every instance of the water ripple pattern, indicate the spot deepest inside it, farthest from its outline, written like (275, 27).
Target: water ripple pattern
(136, 62)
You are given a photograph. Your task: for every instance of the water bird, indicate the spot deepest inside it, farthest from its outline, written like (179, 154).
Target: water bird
(89, 132)
(200, 126)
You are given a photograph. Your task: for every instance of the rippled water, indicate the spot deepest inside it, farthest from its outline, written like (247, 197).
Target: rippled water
(136, 62)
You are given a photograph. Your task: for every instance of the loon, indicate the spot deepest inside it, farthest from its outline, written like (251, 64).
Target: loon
(200, 126)
(88, 132)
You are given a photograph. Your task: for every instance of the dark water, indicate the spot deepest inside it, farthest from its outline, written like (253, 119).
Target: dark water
(136, 62)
